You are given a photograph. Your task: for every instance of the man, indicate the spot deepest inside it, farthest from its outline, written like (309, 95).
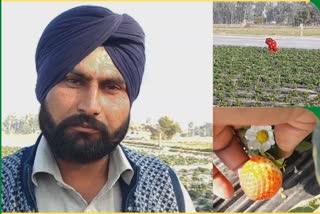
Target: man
(90, 62)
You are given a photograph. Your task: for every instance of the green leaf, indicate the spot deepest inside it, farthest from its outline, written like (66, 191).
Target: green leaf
(302, 210)
(316, 150)
(308, 205)
(244, 129)
(303, 147)
(242, 133)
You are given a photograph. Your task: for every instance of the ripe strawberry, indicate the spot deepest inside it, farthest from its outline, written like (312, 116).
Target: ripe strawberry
(260, 178)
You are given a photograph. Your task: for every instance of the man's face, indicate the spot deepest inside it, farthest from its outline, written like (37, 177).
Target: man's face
(86, 115)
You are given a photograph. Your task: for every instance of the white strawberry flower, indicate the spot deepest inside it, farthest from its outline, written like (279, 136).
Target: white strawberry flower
(260, 138)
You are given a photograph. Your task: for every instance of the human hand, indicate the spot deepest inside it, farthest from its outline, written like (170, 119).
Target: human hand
(291, 126)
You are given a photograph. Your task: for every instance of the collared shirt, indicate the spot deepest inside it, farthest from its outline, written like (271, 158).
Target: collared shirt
(54, 195)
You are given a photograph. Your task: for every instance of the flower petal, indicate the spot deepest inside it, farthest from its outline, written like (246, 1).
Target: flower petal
(255, 128)
(250, 134)
(267, 128)
(253, 145)
(265, 146)
(271, 138)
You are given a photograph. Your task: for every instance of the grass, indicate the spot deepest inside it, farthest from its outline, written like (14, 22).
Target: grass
(252, 76)
(6, 150)
(264, 30)
(195, 146)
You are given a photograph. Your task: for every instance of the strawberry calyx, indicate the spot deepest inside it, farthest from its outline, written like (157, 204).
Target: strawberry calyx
(278, 162)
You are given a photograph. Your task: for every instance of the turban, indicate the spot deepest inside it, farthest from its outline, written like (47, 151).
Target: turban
(75, 33)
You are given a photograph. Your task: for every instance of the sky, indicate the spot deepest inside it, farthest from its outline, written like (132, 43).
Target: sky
(178, 73)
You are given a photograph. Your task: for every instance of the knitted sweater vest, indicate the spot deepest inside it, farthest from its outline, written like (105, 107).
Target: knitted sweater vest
(154, 187)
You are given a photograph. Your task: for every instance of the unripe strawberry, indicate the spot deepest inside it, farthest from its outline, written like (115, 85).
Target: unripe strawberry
(260, 178)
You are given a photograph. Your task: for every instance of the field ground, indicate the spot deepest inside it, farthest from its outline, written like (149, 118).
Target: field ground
(252, 76)
(192, 161)
(271, 30)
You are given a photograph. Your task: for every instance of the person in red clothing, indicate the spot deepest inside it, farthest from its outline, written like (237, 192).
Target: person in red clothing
(272, 45)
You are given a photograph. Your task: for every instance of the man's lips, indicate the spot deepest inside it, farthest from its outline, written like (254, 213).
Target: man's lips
(83, 129)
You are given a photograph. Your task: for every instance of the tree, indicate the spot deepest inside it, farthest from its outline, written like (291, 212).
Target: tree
(9, 124)
(223, 12)
(270, 12)
(243, 12)
(29, 124)
(258, 12)
(302, 17)
(168, 127)
(283, 11)
(25, 125)
(154, 132)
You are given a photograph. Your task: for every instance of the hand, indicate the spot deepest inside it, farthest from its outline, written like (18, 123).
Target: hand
(291, 126)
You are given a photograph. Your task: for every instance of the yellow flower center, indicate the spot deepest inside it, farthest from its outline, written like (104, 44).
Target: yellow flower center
(262, 136)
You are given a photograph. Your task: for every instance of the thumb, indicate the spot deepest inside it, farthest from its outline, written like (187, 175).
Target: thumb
(221, 186)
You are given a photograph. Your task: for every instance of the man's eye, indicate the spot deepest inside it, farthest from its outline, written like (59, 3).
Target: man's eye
(112, 87)
(73, 81)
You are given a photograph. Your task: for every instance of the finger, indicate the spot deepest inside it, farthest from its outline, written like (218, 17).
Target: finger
(235, 127)
(289, 135)
(228, 148)
(221, 136)
(242, 116)
(221, 186)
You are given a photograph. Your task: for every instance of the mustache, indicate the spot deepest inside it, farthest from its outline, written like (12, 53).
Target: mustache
(82, 120)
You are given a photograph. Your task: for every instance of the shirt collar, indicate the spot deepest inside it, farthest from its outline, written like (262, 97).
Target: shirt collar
(119, 166)
(46, 163)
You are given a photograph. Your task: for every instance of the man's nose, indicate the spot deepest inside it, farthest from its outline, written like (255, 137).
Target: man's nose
(89, 103)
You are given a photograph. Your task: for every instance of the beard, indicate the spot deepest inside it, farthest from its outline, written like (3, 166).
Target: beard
(76, 146)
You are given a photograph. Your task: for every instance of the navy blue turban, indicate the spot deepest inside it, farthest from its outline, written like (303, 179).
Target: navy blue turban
(74, 34)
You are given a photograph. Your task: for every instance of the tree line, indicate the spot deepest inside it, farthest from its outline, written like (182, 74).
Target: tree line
(282, 13)
(167, 127)
(21, 125)
(29, 124)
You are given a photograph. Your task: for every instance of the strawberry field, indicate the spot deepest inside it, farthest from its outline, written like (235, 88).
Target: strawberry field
(252, 76)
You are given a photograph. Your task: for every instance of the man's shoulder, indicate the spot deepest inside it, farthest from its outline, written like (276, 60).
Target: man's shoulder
(13, 162)
(14, 158)
(13, 191)
(11, 170)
